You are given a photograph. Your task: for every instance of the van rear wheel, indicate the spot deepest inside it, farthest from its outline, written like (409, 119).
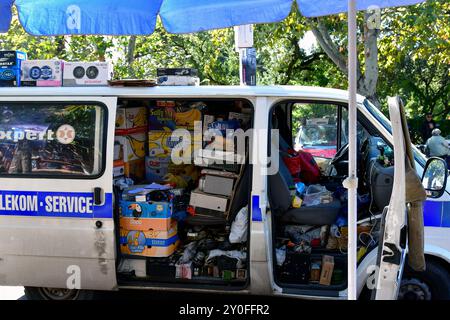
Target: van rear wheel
(34, 293)
(432, 284)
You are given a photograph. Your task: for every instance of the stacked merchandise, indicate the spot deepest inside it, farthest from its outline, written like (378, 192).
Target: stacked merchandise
(147, 228)
(169, 157)
(130, 142)
(212, 199)
(177, 77)
(17, 71)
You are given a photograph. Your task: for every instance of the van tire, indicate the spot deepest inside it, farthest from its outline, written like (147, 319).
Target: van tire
(36, 293)
(431, 284)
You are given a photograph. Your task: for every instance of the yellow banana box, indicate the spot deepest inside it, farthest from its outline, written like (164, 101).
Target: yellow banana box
(161, 143)
(151, 243)
(131, 119)
(171, 117)
(132, 146)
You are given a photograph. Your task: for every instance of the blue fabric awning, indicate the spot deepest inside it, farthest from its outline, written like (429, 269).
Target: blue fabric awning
(138, 17)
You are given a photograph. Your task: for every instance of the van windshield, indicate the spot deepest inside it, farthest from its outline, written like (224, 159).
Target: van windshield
(58, 139)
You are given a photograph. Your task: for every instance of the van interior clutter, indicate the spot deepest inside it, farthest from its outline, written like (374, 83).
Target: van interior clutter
(190, 223)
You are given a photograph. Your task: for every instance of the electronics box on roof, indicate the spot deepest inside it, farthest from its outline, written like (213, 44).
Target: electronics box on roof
(87, 74)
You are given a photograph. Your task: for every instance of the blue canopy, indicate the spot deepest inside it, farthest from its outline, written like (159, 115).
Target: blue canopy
(138, 17)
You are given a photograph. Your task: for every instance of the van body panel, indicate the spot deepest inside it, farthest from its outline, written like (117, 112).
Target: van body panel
(61, 238)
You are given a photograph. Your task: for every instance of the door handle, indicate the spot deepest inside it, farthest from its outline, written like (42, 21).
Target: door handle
(98, 196)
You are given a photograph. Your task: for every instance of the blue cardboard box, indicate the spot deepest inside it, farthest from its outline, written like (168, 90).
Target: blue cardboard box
(146, 209)
(10, 64)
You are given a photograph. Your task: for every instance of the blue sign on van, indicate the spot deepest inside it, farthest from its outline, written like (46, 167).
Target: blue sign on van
(53, 204)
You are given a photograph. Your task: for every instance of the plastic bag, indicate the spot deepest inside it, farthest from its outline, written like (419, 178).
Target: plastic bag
(316, 194)
(239, 227)
(281, 255)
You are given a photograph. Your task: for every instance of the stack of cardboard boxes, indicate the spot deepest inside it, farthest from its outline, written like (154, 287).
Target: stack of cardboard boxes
(130, 142)
(146, 225)
(168, 160)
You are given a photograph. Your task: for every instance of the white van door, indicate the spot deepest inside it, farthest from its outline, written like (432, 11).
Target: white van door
(56, 202)
(392, 248)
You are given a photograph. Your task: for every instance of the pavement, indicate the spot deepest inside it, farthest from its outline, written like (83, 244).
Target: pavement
(12, 293)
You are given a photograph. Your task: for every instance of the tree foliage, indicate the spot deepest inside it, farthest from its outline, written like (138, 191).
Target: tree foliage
(411, 56)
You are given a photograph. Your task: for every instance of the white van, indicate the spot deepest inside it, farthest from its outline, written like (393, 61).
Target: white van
(59, 210)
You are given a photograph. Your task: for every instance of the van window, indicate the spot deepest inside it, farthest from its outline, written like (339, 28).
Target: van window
(57, 139)
(315, 128)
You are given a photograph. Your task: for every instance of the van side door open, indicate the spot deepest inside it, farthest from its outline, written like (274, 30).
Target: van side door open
(56, 202)
(392, 247)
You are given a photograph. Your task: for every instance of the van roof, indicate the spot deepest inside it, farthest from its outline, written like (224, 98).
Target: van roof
(184, 91)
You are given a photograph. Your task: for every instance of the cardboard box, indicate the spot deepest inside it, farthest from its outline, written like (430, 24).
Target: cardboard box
(161, 144)
(162, 117)
(135, 169)
(207, 201)
(129, 120)
(149, 243)
(166, 116)
(133, 146)
(155, 210)
(10, 64)
(178, 81)
(176, 72)
(42, 73)
(87, 74)
(327, 270)
(145, 224)
(156, 168)
(118, 169)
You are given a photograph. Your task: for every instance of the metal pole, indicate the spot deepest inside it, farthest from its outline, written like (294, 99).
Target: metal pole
(352, 182)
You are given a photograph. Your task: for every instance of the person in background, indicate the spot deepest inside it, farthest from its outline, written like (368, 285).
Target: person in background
(427, 127)
(437, 146)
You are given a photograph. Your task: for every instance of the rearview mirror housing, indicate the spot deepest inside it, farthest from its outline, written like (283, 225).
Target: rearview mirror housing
(434, 178)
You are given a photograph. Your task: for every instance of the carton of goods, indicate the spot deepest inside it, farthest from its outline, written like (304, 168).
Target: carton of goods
(149, 243)
(10, 64)
(327, 270)
(129, 120)
(133, 146)
(42, 73)
(87, 74)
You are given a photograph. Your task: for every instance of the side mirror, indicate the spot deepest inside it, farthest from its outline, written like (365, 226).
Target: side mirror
(434, 178)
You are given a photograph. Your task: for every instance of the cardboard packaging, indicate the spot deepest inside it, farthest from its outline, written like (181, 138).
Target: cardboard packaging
(161, 144)
(42, 73)
(155, 210)
(156, 168)
(133, 146)
(149, 243)
(145, 224)
(165, 116)
(118, 169)
(207, 201)
(176, 72)
(327, 270)
(87, 74)
(135, 169)
(10, 64)
(178, 81)
(131, 120)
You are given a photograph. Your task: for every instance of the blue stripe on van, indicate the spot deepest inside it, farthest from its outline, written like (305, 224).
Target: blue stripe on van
(436, 214)
(54, 204)
(256, 210)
